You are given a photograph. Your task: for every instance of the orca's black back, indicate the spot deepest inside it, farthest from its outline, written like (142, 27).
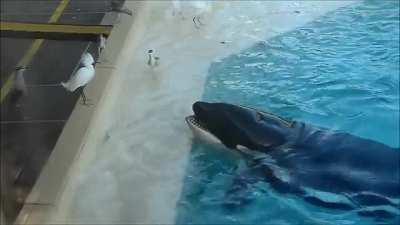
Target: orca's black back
(342, 162)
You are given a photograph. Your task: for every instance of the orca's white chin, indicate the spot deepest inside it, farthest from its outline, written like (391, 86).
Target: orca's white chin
(200, 131)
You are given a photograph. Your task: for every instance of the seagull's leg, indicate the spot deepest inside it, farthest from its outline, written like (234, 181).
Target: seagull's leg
(17, 174)
(195, 24)
(83, 96)
(98, 53)
(85, 100)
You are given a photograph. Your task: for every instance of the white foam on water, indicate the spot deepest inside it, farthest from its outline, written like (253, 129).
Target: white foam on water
(132, 166)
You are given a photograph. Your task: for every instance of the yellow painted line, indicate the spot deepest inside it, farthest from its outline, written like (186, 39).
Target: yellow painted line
(59, 10)
(26, 60)
(53, 29)
(31, 52)
(7, 87)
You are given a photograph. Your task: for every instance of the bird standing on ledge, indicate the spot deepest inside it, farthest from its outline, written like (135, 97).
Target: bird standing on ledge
(19, 80)
(82, 77)
(152, 61)
(19, 87)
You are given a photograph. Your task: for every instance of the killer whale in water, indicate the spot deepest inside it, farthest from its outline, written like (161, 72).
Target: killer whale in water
(325, 168)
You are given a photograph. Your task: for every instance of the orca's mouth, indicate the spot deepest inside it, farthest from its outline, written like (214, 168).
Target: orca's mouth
(194, 121)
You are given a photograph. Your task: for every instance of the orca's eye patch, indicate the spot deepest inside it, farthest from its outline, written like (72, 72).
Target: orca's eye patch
(259, 117)
(272, 119)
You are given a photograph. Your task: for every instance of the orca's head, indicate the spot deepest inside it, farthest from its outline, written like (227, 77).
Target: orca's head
(237, 126)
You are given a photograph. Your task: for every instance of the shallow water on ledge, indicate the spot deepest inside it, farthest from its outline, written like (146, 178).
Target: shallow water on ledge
(339, 72)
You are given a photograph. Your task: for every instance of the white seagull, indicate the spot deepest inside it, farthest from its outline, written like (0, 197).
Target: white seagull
(19, 80)
(19, 86)
(80, 79)
(86, 59)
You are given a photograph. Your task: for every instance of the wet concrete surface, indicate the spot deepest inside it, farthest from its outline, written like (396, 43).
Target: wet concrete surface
(32, 123)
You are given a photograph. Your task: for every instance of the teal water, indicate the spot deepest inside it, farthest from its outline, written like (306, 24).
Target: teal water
(340, 72)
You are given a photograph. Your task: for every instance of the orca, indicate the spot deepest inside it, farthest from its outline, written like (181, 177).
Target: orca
(327, 168)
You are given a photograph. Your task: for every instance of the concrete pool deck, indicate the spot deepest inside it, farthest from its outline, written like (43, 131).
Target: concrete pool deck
(125, 158)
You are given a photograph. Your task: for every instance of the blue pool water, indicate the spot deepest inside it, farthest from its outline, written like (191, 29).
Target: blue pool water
(339, 72)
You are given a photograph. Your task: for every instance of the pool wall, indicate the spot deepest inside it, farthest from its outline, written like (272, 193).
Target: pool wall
(131, 162)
